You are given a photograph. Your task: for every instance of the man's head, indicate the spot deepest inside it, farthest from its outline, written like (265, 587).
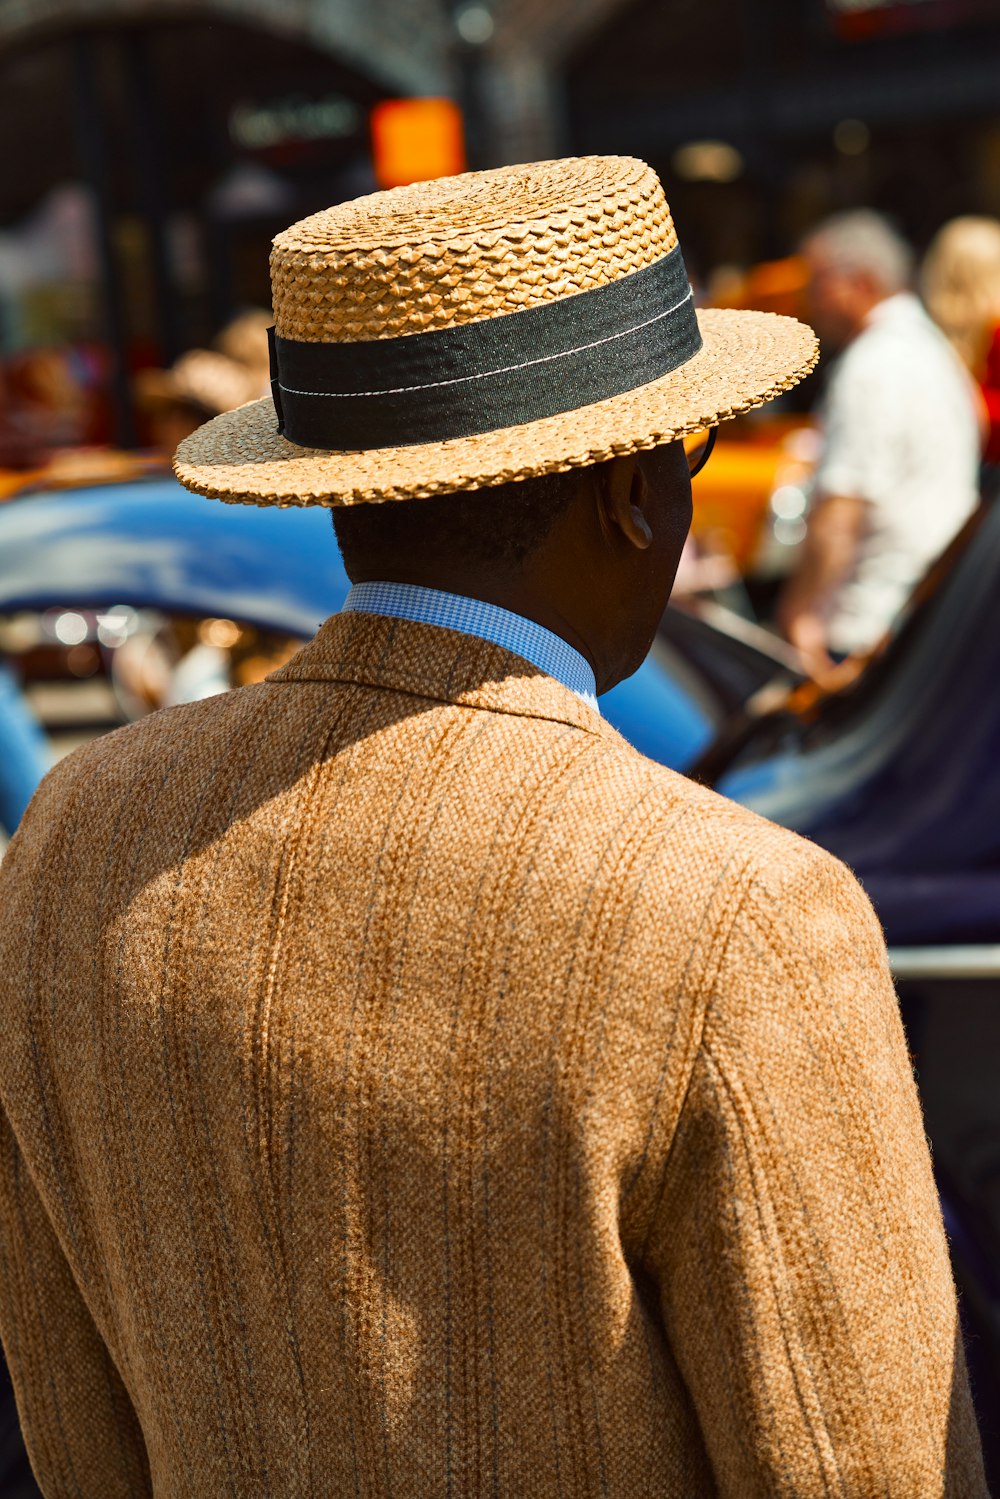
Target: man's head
(856, 260)
(590, 553)
(468, 335)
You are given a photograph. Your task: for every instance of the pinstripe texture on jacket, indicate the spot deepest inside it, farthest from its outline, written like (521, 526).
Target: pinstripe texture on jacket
(409, 1090)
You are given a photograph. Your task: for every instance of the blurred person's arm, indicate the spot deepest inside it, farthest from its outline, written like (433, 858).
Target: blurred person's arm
(702, 572)
(857, 467)
(798, 1246)
(835, 528)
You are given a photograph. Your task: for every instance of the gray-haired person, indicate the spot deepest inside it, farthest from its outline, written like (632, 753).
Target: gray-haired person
(898, 472)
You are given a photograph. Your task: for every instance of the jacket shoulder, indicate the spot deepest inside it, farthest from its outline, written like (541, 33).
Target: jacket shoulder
(704, 849)
(707, 818)
(121, 765)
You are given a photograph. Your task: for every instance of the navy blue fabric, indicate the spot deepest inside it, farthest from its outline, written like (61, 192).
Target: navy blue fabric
(903, 784)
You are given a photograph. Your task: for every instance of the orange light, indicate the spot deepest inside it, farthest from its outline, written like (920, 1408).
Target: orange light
(416, 139)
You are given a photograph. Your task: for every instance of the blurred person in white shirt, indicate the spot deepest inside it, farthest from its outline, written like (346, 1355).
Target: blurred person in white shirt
(898, 475)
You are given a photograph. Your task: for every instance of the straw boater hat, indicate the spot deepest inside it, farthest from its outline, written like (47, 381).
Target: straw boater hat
(480, 329)
(203, 378)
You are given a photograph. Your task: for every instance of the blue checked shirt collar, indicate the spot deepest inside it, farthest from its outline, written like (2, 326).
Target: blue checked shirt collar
(451, 611)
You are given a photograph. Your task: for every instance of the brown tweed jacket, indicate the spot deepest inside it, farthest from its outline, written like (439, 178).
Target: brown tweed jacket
(409, 1090)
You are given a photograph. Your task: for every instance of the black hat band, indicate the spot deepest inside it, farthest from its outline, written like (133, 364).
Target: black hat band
(498, 372)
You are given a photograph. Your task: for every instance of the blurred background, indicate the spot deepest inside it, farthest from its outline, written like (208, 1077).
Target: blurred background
(152, 148)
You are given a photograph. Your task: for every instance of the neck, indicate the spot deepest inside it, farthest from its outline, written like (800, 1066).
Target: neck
(516, 592)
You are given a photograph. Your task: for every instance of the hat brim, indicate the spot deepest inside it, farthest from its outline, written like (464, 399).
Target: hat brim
(746, 358)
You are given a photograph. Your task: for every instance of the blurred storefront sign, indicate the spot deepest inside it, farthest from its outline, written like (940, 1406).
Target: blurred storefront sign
(279, 122)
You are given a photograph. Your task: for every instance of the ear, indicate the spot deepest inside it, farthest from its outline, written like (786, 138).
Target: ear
(623, 499)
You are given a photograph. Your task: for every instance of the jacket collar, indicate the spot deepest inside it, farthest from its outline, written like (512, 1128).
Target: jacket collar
(400, 655)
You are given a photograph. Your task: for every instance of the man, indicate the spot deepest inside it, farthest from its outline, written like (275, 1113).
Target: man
(899, 471)
(409, 1089)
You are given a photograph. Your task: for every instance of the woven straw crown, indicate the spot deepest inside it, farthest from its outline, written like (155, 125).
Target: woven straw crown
(464, 250)
(449, 252)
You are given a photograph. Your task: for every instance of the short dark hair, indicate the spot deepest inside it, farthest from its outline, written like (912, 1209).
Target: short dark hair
(501, 524)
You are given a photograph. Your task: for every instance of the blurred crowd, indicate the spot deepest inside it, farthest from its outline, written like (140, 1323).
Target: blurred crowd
(54, 398)
(905, 432)
(961, 287)
(206, 382)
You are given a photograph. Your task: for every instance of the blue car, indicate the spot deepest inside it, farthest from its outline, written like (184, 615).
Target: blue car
(152, 545)
(900, 776)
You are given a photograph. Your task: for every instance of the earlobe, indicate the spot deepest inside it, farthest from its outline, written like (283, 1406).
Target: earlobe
(643, 536)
